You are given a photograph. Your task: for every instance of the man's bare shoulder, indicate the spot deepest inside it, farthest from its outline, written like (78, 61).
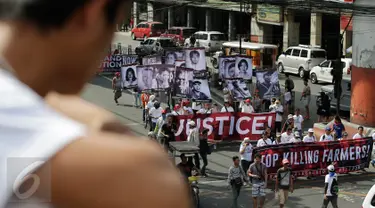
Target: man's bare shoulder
(121, 171)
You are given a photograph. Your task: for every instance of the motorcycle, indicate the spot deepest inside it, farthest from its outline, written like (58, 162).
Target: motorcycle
(193, 181)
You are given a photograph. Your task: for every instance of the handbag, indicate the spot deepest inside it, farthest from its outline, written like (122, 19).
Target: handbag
(237, 181)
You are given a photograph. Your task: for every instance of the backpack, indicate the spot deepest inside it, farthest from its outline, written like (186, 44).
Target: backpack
(290, 84)
(335, 187)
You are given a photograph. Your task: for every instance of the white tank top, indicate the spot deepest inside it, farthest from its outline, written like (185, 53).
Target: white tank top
(30, 133)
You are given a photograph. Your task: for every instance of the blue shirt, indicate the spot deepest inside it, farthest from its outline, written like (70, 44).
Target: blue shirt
(338, 128)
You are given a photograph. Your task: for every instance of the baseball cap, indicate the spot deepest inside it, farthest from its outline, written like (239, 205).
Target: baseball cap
(285, 161)
(296, 134)
(290, 116)
(191, 123)
(328, 128)
(311, 130)
(331, 168)
(247, 100)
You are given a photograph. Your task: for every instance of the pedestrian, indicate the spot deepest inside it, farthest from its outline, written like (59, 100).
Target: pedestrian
(287, 136)
(144, 99)
(117, 86)
(247, 107)
(193, 138)
(289, 83)
(137, 101)
(298, 120)
(305, 98)
(265, 140)
(278, 139)
(279, 110)
(246, 152)
(236, 179)
(159, 124)
(359, 134)
(289, 123)
(324, 108)
(327, 136)
(167, 133)
(206, 110)
(309, 137)
(155, 113)
(258, 174)
(257, 103)
(284, 183)
(338, 127)
(227, 108)
(204, 150)
(296, 138)
(331, 188)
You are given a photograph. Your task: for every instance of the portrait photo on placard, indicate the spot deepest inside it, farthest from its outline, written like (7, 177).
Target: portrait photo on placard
(180, 63)
(225, 61)
(244, 67)
(129, 76)
(195, 58)
(150, 60)
(171, 56)
(238, 89)
(181, 86)
(199, 89)
(268, 84)
(230, 71)
(144, 75)
(163, 76)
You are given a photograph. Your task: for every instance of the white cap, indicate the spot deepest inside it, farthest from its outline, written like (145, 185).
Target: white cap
(290, 116)
(331, 168)
(191, 123)
(296, 134)
(247, 139)
(152, 97)
(311, 130)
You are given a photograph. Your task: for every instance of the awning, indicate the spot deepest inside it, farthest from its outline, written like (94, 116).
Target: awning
(349, 50)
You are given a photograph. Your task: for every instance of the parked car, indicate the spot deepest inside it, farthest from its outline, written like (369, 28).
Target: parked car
(369, 201)
(300, 59)
(345, 95)
(210, 40)
(149, 46)
(145, 30)
(179, 34)
(322, 72)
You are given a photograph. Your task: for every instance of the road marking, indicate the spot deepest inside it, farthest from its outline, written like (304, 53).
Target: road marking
(342, 192)
(211, 182)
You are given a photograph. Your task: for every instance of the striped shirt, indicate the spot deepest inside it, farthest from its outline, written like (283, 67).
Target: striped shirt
(236, 172)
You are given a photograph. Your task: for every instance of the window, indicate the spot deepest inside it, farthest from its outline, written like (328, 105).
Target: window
(178, 32)
(139, 25)
(188, 32)
(218, 37)
(325, 64)
(288, 52)
(146, 42)
(304, 53)
(318, 54)
(296, 52)
(201, 36)
(158, 26)
(166, 43)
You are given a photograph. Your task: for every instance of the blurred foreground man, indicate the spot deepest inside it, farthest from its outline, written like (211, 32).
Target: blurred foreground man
(78, 155)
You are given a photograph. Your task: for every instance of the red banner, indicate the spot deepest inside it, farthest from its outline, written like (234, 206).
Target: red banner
(227, 126)
(313, 158)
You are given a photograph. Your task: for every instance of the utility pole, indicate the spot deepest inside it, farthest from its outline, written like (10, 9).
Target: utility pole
(241, 26)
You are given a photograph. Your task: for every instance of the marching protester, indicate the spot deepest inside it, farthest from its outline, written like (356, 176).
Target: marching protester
(160, 122)
(278, 108)
(167, 132)
(257, 103)
(247, 107)
(258, 174)
(289, 123)
(338, 127)
(149, 105)
(144, 99)
(278, 139)
(206, 110)
(296, 138)
(155, 113)
(177, 110)
(136, 97)
(265, 140)
(284, 183)
(327, 136)
(227, 108)
(246, 152)
(215, 108)
(287, 136)
(306, 97)
(310, 136)
(359, 134)
(236, 179)
(345, 136)
(117, 86)
(193, 138)
(324, 109)
(331, 188)
(298, 121)
(204, 150)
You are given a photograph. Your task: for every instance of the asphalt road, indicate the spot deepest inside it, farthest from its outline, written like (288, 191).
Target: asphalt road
(214, 192)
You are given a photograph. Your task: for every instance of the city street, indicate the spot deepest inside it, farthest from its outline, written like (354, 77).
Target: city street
(214, 191)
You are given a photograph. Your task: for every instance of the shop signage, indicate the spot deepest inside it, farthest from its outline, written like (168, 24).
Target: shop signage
(344, 21)
(269, 14)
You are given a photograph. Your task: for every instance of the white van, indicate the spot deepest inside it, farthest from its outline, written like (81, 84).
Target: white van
(210, 40)
(369, 201)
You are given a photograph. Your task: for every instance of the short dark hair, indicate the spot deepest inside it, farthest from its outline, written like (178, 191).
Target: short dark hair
(360, 127)
(47, 14)
(205, 131)
(257, 155)
(234, 158)
(243, 61)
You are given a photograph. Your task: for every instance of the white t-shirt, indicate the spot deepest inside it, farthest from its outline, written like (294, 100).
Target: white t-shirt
(277, 108)
(227, 109)
(308, 139)
(29, 129)
(205, 111)
(287, 96)
(247, 109)
(155, 114)
(298, 121)
(285, 138)
(150, 105)
(326, 137)
(248, 154)
(264, 142)
(196, 106)
(329, 180)
(295, 140)
(358, 136)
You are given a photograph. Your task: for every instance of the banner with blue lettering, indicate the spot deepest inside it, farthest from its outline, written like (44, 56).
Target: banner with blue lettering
(113, 63)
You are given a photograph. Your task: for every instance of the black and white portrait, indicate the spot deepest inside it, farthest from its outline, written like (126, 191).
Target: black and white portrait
(199, 89)
(238, 88)
(244, 67)
(144, 74)
(180, 63)
(224, 62)
(181, 85)
(170, 58)
(195, 58)
(129, 76)
(268, 84)
(163, 76)
(150, 60)
(230, 71)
